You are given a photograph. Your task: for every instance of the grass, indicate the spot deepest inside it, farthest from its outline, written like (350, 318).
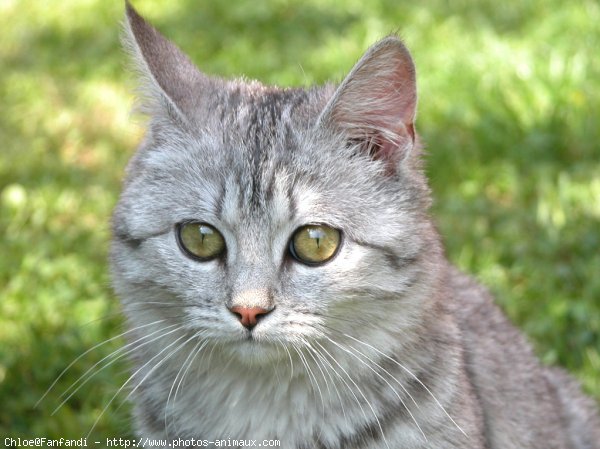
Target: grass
(509, 111)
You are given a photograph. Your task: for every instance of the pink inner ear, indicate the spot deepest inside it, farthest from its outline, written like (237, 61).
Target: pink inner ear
(389, 151)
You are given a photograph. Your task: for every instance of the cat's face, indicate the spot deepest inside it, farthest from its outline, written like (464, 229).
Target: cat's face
(259, 218)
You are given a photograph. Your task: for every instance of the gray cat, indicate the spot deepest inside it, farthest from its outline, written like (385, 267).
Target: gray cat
(283, 280)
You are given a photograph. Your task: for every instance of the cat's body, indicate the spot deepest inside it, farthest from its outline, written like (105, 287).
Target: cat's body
(379, 343)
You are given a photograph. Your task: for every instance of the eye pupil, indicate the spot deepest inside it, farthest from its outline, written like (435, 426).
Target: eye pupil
(314, 244)
(204, 231)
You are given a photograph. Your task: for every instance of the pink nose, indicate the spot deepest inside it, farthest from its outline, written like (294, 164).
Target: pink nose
(249, 316)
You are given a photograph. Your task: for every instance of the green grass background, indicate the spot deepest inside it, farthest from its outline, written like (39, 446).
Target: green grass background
(509, 110)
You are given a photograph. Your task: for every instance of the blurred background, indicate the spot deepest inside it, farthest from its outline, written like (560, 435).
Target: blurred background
(509, 112)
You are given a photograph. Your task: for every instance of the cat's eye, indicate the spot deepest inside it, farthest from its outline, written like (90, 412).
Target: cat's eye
(200, 241)
(314, 244)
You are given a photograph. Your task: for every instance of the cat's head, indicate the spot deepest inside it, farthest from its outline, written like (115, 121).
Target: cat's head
(259, 217)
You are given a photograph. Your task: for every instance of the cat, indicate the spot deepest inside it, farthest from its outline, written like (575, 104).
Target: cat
(282, 279)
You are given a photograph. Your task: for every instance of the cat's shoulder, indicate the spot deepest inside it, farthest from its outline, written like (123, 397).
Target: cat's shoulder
(469, 298)
(478, 315)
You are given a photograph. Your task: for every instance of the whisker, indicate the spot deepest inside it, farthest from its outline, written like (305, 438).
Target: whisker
(198, 348)
(277, 366)
(188, 359)
(306, 343)
(360, 392)
(201, 361)
(306, 368)
(211, 354)
(385, 380)
(321, 394)
(378, 365)
(388, 373)
(354, 320)
(87, 352)
(161, 306)
(290, 357)
(161, 362)
(136, 373)
(112, 354)
(413, 376)
(325, 361)
(316, 382)
(90, 369)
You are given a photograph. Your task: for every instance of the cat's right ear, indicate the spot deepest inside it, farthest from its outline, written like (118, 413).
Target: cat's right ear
(171, 84)
(375, 105)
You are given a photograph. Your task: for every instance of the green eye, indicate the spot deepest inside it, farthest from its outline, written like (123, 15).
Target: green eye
(200, 240)
(314, 244)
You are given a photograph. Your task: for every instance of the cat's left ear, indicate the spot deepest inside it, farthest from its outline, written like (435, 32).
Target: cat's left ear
(375, 105)
(172, 85)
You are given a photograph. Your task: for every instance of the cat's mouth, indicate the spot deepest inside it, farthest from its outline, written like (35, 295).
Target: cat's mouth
(253, 353)
(252, 350)
(249, 338)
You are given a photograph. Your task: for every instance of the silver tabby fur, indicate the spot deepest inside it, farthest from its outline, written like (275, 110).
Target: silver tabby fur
(385, 346)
